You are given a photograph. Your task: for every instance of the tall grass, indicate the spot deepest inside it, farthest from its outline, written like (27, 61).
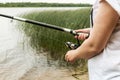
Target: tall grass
(50, 40)
(38, 4)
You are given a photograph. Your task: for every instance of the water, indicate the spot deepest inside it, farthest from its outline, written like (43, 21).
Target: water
(14, 60)
(18, 61)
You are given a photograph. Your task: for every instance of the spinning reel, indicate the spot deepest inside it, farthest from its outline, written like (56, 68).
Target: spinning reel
(72, 45)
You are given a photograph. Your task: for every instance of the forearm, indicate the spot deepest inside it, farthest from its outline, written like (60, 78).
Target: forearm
(88, 50)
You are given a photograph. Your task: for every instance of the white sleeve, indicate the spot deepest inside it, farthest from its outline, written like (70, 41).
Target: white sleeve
(115, 5)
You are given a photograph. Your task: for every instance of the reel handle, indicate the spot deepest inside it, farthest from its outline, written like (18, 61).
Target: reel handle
(71, 45)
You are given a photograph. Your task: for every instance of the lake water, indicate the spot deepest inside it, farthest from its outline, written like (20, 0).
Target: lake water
(18, 61)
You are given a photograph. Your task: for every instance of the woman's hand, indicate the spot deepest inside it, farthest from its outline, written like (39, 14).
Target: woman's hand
(71, 56)
(83, 33)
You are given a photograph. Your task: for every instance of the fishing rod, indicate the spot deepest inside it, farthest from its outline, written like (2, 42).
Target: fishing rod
(68, 44)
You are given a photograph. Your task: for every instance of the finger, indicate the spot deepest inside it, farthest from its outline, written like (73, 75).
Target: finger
(81, 37)
(66, 58)
(76, 36)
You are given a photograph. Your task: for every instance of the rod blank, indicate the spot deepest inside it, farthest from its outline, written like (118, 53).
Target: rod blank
(40, 24)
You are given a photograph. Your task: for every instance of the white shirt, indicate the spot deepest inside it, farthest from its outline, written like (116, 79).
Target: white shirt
(106, 66)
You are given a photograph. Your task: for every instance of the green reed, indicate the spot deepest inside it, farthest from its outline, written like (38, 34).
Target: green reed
(50, 40)
(38, 4)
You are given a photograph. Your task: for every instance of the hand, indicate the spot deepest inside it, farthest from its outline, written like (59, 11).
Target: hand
(84, 33)
(82, 36)
(71, 56)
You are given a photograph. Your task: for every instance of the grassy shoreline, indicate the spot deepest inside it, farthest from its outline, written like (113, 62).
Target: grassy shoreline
(53, 41)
